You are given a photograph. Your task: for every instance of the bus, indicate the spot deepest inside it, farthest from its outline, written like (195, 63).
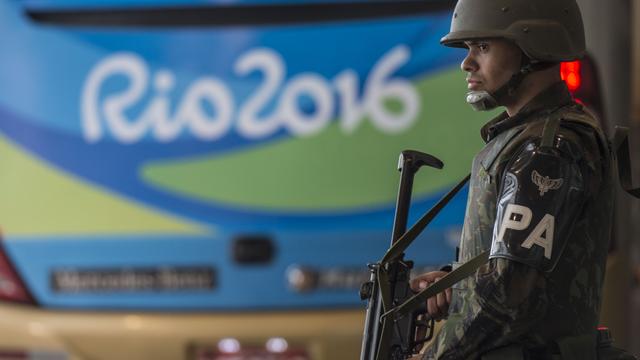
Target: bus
(208, 179)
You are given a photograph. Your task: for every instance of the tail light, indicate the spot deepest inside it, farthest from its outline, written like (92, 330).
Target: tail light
(11, 287)
(31, 355)
(571, 75)
(581, 78)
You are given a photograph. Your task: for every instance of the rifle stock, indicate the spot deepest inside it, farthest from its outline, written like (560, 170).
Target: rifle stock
(389, 282)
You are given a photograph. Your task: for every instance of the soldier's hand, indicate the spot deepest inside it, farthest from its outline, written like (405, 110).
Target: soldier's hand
(437, 306)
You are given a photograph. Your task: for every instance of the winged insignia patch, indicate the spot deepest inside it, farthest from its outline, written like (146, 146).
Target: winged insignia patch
(544, 183)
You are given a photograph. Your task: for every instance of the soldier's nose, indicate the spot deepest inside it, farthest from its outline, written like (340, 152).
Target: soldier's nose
(469, 64)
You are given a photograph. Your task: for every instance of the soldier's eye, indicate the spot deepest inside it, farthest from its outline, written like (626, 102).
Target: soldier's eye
(483, 47)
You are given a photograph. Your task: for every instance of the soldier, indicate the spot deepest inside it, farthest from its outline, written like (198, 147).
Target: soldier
(540, 192)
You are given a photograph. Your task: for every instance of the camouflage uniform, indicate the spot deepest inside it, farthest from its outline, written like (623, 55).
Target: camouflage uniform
(541, 199)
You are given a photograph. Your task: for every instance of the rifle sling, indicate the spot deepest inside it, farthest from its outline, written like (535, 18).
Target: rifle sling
(407, 238)
(467, 269)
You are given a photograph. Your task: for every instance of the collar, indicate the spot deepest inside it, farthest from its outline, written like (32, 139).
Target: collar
(550, 99)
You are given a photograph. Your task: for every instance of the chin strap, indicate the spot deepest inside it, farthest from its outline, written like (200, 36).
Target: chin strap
(484, 100)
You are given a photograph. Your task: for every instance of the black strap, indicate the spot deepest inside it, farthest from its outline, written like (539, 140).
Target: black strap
(549, 131)
(405, 240)
(467, 269)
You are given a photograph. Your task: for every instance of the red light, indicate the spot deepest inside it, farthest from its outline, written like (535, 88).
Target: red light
(570, 73)
(11, 287)
(14, 355)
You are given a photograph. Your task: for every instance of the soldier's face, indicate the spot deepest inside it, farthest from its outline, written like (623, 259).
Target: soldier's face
(490, 64)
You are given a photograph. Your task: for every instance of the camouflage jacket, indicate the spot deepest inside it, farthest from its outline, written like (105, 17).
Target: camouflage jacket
(541, 199)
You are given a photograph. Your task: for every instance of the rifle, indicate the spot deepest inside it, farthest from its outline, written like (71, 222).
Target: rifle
(396, 337)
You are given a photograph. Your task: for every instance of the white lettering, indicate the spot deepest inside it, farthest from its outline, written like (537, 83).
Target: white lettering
(219, 97)
(298, 122)
(377, 90)
(158, 110)
(112, 112)
(134, 68)
(272, 66)
(510, 222)
(545, 227)
(352, 113)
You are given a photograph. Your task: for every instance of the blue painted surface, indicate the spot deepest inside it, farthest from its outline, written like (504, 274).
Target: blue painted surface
(41, 113)
(239, 287)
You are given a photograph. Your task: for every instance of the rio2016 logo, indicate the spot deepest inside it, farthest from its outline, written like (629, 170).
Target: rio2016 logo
(101, 113)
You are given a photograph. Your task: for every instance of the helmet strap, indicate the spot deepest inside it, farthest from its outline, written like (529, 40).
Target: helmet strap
(484, 100)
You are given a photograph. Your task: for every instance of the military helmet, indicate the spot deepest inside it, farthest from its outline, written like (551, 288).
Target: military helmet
(545, 30)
